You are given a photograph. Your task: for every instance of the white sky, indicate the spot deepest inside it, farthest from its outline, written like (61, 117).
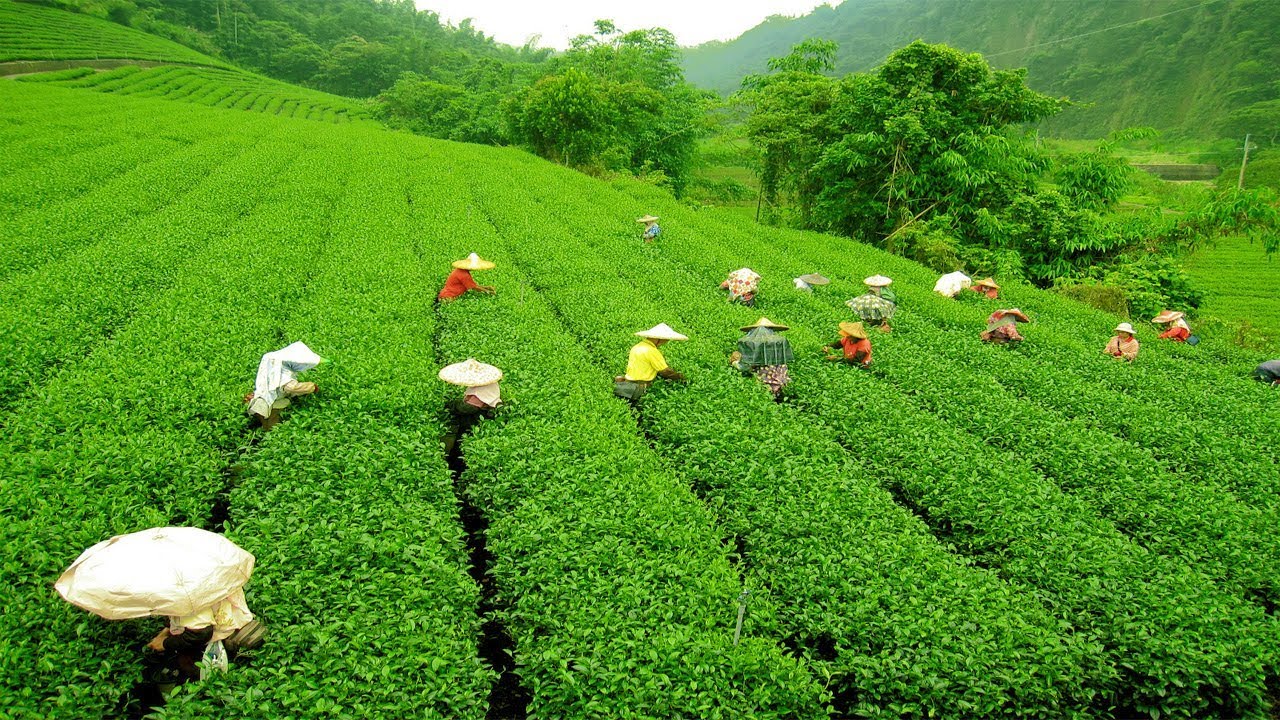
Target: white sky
(692, 21)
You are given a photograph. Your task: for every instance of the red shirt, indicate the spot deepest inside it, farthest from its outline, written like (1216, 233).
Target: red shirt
(853, 346)
(458, 282)
(1178, 334)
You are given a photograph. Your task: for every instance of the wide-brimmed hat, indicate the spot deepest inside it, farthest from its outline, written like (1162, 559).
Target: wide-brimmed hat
(877, 281)
(473, 262)
(986, 282)
(1125, 328)
(647, 219)
(470, 373)
(1014, 313)
(661, 331)
(815, 279)
(764, 322)
(1167, 316)
(853, 330)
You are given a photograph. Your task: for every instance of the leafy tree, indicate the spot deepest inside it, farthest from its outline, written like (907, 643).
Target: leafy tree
(568, 117)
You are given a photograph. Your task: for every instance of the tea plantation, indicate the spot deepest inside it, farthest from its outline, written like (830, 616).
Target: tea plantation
(961, 531)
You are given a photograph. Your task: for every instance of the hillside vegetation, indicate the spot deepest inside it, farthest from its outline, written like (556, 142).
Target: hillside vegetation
(945, 535)
(1184, 70)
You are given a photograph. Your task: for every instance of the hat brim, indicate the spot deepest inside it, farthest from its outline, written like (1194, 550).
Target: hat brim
(814, 279)
(651, 335)
(648, 219)
(877, 281)
(468, 265)
(853, 330)
(470, 374)
(770, 325)
(1168, 316)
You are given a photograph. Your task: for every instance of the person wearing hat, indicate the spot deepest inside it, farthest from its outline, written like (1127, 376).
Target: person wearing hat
(806, 282)
(854, 344)
(1268, 372)
(460, 280)
(742, 285)
(1123, 345)
(651, 229)
(877, 305)
(765, 354)
(988, 287)
(645, 363)
(482, 394)
(1002, 326)
(1178, 330)
(277, 382)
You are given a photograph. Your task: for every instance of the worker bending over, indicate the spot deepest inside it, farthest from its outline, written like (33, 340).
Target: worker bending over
(645, 363)
(460, 280)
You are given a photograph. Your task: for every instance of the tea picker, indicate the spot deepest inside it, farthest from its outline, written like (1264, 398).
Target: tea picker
(988, 287)
(1002, 326)
(951, 284)
(277, 382)
(806, 282)
(651, 229)
(764, 353)
(1123, 345)
(645, 363)
(1178, 330)
(877, 306)
(1268, 372)
(193, 577)
(460, 281)
(854, 345)
(481, 397)
(742, 285)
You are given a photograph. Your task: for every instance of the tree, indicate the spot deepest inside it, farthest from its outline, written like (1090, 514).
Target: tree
(567, 117)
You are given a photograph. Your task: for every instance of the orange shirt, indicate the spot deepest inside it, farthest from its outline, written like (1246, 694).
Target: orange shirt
(1179, 334)
(853, 346)
(458, 282)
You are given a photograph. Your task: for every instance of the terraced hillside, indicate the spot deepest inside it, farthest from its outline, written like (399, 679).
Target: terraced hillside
(961, 531)
(1241, 282)
(96, 55)
(38, 33)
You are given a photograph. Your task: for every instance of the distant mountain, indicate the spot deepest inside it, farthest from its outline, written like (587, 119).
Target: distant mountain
(1177, 65)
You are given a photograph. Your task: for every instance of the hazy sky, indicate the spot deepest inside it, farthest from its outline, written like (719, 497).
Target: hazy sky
(693, 21)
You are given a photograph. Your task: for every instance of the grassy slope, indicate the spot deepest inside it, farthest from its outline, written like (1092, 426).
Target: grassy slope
(34, 32)
(1241, 282)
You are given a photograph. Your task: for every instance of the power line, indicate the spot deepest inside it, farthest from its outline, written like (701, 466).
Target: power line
(1105, 29)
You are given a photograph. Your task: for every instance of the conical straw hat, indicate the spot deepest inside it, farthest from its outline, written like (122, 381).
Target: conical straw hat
(814, 279)
(1166, 316)
(764, 322)
(473, 262)
(877, 281)
(661, 331)
(853, 329)
(986, 282)
(470, 373)
(647, 219)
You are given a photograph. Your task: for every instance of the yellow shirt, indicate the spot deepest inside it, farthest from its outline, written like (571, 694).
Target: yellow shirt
(645, 362)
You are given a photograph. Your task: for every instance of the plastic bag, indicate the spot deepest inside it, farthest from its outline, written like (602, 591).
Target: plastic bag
(1193, 340)
(213, 659)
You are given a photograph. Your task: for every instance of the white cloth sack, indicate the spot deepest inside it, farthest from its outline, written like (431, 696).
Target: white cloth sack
(175, 571)
(276, 370)
(802, 285)
(952, 283)
(489, 394)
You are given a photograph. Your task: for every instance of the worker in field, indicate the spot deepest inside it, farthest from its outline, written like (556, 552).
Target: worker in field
(651, 229)
(876, 306)
(807, 281)
(952, 283)
(1002, 326)
(742, 285)
(853, 344)
(277, 382)
(480, 398)
(460, 280)
(988, 287)
(764, 352)
(1174, 324)
(1268, 372)
(1123, 345)
(645, 363)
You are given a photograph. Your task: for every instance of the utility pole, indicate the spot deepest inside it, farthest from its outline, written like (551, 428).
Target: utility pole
(1244, 161)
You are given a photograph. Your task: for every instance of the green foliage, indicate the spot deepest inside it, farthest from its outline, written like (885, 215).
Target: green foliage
(1182, 67)
(614, 101)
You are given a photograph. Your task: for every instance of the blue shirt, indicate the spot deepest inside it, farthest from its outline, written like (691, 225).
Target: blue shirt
(652, 231)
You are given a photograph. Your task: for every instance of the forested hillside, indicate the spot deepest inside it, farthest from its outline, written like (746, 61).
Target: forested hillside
(1177, 65)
